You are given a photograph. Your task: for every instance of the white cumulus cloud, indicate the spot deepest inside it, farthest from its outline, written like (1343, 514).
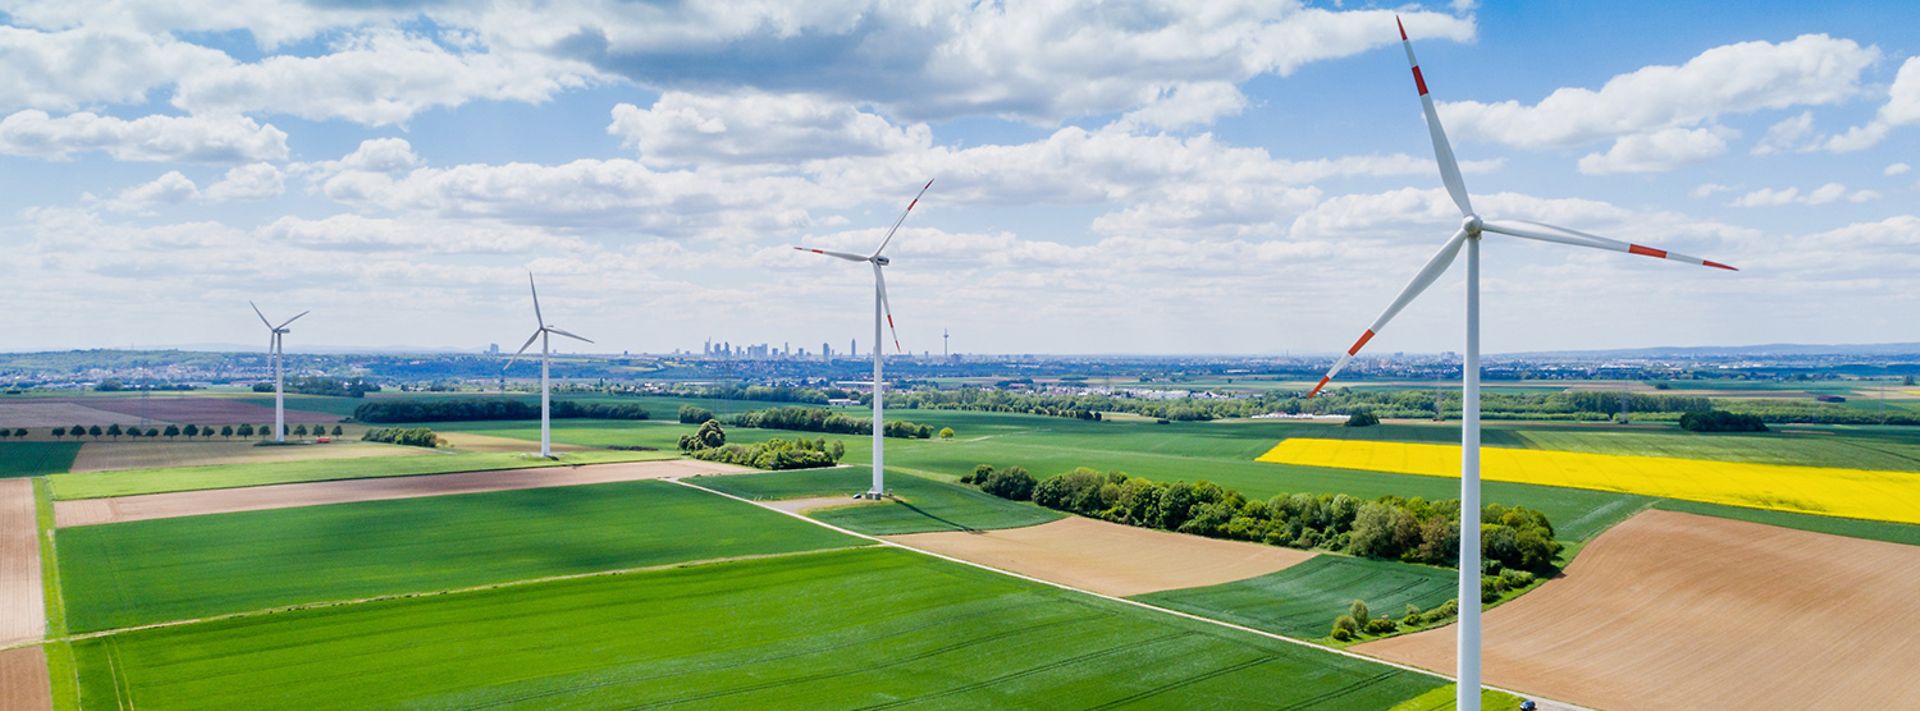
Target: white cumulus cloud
(1823, 195)
(1658, 151)
(757, 127)
(193, 139)
(1902, 108)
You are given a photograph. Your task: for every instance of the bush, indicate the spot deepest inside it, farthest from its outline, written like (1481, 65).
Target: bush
(946, 433)
(412, 436)
(1345, 628)
(1358, 611)
(978, 475)
(775, 453)
(1381, 625)
(1721, 421)
(1011, 483)
(691, 415)
(710, 436)
(1362, 418)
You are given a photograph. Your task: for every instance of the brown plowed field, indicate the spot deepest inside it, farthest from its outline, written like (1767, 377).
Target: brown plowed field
(23, 680)
(1671, 610)
(202, 410)
(23, 610)
(194, 503)
(38, 414)
(105, 456)
(1107, 557)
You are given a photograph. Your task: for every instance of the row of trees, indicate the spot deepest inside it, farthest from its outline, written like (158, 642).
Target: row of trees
(410, 436)
(1721, 421)
(816, 419)
(710, 443)
(1408, 529)
(116, 431)
(762, 393)
(469, 409)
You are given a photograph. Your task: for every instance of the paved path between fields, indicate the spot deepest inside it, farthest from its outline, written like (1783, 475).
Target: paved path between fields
(23, 680)
(121, 509)
(23, 607)
(1110, 558)
(1549, 705)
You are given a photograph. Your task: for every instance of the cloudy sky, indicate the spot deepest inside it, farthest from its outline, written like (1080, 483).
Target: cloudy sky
(1137, 177)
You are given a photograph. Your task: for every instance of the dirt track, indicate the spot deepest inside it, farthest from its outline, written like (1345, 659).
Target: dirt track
(23, 610)
(817, 502)
(194, 503)
(1671, 610)
(1110, 558)
(23, 680)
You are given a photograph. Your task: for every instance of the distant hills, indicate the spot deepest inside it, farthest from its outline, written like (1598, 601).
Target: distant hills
(1768, 349)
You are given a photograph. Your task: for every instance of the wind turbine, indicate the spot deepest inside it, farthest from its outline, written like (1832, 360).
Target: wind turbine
(274, 352)
(1472, 227)
(880, 308)
(540, 334)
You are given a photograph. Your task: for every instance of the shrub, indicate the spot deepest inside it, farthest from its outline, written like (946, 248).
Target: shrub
(978, 475)
(1362, 418)
(691, 415)
(1721, 421)
(710, 436)
(412, 436)
(1381, 625)
(946, 433)
(1345, 628)
(775, 453)
(1358, 610)
(1011, 483)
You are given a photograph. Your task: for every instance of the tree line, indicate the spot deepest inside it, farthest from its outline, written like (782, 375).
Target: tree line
(1414, 529)
(709, 443)
(410, 436)
(171, 431)
(816, 419)
(471, 409)
(321, 385)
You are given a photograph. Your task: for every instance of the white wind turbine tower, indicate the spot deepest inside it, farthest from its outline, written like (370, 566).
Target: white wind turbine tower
(1472, 227)
(880, 309)
(540, 334)
(275, 353)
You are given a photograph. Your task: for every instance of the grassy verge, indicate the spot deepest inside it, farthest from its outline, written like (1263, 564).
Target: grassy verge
(856, 628)
(49, 559)
(128, 482)
(127, 574)
(921, 504)
(1441, 699)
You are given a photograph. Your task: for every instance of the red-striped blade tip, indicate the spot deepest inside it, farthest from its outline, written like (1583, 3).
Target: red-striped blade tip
(928, 185)
(1316, 388)
(1357, 345)
(1718, 265)
(1403, 28)
(1646, 251)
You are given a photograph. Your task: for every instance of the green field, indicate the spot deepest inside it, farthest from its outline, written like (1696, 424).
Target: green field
(127, 482)
(1302, 601)
(924, 504)
(36, 458)
(125, 574)
(1441, 699)
(1852, 527)
(863, 628)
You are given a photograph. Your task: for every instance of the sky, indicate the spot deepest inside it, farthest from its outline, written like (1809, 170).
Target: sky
(1109, 177)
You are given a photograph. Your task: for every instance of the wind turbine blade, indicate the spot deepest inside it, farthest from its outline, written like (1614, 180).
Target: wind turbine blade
(849, 256)
(903, 218)
(536, 301)
(1543, 232)
(1442, 150)
(523, 348)
(886, 305)
(291, 320)
(551, 329)
(1435, 267)
(263, 317)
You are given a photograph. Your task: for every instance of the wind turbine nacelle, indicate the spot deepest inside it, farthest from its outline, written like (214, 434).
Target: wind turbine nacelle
(1471, 224)
(882, 261)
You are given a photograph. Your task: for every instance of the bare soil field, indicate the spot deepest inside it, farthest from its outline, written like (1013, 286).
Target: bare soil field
(201, 411)
(470, 442)
(1672, 610)
(194, 503)
(23, 680)
(1109, 558)
(817, 502)
(23, 610)
(105, 456)
(38, 414)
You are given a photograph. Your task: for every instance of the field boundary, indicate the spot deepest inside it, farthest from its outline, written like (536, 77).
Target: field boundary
(430, 593)
(1122, 600)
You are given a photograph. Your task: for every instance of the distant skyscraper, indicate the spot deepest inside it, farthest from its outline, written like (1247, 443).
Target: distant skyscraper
(853, 348)
(826, 353)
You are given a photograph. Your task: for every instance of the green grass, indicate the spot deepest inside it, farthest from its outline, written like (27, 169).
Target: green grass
(49, 560)
(1856, 528)
(18, 459)
(1301, 601)
(1441, 699)
(127, 482)
(924, 504)
(125, 574)
(844, 629)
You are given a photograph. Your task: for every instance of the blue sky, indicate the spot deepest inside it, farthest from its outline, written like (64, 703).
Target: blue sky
(1110, 177)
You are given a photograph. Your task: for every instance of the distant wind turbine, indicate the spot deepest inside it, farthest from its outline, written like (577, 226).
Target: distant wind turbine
(540, 334)
(278, 356)
(880, 308)
(1467, 695)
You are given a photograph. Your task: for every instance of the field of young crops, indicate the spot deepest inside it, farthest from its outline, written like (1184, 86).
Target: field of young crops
(36, 458)
(125, 574)
(128, 482)
(1302, 600)
(922, 505)
(860, 628)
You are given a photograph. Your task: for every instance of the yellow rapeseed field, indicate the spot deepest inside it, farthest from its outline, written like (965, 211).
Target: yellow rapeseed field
(1851, 493)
